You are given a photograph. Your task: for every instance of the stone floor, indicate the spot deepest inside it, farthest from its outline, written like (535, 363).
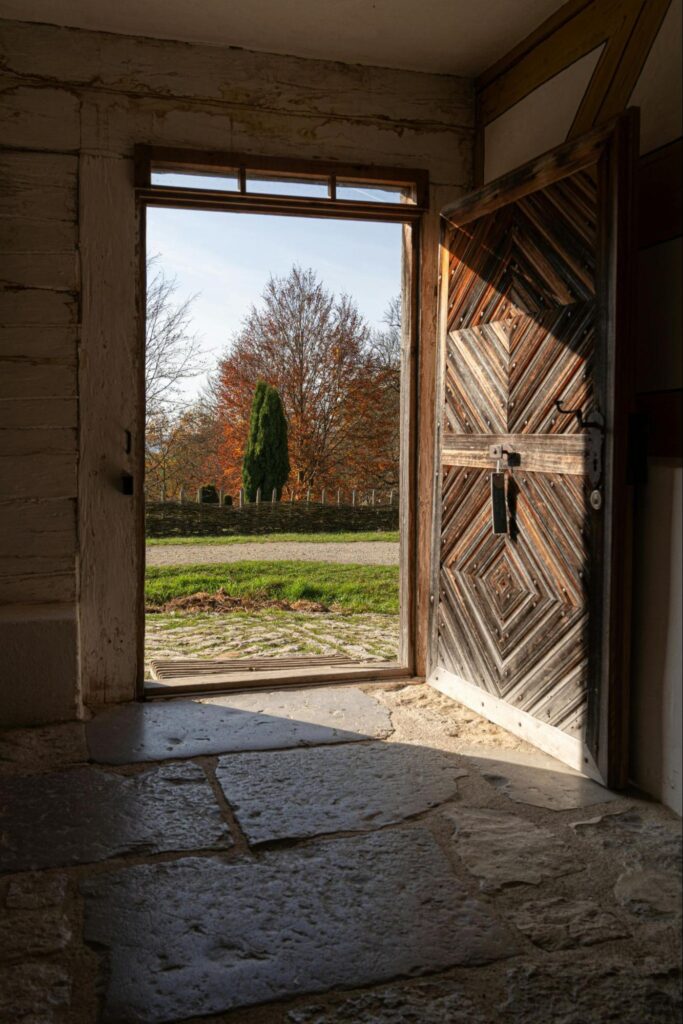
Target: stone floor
(341, 855)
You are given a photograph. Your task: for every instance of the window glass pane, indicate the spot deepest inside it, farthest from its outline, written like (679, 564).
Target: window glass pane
(279, 185)
(370, 192)
(226, 181)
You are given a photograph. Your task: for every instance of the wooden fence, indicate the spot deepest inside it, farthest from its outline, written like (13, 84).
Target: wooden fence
(193, 519)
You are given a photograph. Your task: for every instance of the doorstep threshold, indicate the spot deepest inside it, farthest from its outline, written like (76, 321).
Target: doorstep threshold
(265, 673)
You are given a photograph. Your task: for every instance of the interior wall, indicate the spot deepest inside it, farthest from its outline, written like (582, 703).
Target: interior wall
(639, 64)
(72, 106)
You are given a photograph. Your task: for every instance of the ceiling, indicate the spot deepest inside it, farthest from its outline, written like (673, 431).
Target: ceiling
(448, 36)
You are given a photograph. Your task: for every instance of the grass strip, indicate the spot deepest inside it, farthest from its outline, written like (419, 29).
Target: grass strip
(352, 588)
(277, 538)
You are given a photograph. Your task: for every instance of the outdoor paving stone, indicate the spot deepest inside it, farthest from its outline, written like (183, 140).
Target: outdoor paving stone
(296, 793)
(430, 1003)
(86, 814)
(541, 781)
(155, 731)
(585, 992)
(201, 935)
(502, 849)
(559, 923)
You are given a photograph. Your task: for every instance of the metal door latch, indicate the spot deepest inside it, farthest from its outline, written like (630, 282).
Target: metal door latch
(595, 429)
(499, 505)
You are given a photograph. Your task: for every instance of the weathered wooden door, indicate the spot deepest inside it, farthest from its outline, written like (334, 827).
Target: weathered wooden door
(529, 570)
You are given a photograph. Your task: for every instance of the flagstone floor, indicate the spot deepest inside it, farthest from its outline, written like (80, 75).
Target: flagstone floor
(337, 855)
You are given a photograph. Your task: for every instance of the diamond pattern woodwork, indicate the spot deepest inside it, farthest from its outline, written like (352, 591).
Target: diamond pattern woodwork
(513, 613)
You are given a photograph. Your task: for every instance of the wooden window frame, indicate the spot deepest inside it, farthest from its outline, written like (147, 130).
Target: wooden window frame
(147, 158)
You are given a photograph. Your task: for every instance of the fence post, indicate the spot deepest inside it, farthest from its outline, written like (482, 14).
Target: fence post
(372, 497)
(322, 496)
(353, 498)
(274, 495)
(181, 495)
(391, 497)
(258, 495)
(220, 496)
(199, 495)
(162, 494)
(241, 497)
(339, 496)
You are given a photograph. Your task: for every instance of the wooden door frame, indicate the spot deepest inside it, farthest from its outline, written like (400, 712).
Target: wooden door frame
(411, 216)
(613, 147)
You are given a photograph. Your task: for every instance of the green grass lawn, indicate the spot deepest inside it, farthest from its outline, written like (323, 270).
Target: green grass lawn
(353, 588)
(275, 538)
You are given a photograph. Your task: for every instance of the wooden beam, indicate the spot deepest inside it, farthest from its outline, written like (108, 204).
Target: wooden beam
(607, 68)
(536, 38)
(571, 157)
(545, 53)
(620, 65)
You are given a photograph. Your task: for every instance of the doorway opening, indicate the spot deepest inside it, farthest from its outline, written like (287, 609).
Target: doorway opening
(280, 357)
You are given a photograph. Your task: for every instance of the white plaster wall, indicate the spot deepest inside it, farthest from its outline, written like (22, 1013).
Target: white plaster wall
(538, 122)
(72, 106)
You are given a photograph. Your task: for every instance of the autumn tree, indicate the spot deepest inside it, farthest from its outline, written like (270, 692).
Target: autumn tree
(266, 459)
(176, 432)
(316, 349)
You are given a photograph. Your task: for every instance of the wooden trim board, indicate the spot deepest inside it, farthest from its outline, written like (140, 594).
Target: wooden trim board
(569, 749)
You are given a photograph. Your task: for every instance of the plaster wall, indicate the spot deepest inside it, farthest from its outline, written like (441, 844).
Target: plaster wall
(72, 106)
(540, 121)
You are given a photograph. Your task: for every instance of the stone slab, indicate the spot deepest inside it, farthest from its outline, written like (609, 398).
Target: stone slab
(557, 923)
(34, 993)
(200, 935)
(583, 992)
(425, 1003)
(650, 852)
(156, 731)
(503, 849)
(541, 781)
(87, 814)
(352, 787)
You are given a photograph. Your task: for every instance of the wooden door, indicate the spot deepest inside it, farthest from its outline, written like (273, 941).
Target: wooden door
(528, 624)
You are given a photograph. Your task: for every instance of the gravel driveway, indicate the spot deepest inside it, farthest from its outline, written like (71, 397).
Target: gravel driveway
(377, 552)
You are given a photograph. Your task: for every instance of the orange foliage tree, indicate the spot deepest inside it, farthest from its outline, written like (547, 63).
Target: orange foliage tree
(339, 383)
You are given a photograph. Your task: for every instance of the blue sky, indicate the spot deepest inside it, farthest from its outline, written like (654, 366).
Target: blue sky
(226, 259)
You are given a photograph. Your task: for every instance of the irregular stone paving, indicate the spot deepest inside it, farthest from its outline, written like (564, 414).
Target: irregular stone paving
(650, 855)
(273, 633)
(557, 923)
(503, 849)
(244, 721)
(523, 900)
(296, 793)
(86, 814)
(583, 992)
(427, 1003)
(203, 936)
(537, 781)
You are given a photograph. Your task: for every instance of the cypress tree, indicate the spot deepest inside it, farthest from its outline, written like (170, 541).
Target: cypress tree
(266, 458)
(251, 464)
